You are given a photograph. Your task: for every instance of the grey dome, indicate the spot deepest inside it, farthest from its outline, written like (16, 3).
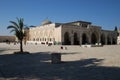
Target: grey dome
(46, 22)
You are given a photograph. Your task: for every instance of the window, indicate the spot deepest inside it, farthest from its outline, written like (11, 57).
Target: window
(33, 39)
(84, 25)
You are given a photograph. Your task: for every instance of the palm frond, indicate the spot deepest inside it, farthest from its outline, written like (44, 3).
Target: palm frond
(17, 27)
(21, 23)
(11, 26)
(14, 24)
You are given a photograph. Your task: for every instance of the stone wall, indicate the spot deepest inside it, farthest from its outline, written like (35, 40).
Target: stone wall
(7, 38)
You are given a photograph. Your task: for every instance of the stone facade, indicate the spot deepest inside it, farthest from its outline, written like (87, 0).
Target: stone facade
(72, 33)
(118, 38)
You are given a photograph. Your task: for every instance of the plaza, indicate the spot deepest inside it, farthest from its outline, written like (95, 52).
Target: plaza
(101, 63)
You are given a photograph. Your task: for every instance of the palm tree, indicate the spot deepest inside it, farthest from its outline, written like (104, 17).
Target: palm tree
(17, 28)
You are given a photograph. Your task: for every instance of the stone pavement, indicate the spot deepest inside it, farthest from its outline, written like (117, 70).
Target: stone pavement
(96, 63)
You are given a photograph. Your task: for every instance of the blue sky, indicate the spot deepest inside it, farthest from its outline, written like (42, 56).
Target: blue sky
(105, 13)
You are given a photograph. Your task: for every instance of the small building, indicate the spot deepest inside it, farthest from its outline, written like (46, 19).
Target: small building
(7, 38)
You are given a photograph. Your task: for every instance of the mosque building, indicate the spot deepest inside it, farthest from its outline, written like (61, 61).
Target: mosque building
(71, 33)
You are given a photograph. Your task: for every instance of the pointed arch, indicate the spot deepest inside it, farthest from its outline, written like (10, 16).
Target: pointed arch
(66, 38)
(94, 38)
(84, 39)
(114, 41)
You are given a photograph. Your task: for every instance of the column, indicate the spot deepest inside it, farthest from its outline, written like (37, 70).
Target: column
(111, 41)
(106, 40)
(99, 40)
(72, 40)
(80, 39)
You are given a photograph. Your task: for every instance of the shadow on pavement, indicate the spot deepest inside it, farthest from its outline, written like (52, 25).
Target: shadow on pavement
(37, 66)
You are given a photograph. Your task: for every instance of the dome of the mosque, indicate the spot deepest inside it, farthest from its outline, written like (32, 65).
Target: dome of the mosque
(46, 22)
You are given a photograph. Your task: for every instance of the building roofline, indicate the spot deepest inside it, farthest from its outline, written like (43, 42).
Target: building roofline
(79, 21)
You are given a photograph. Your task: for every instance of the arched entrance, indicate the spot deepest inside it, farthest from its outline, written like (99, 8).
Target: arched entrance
(76, 41)
(94, 38)
(114, 41)
(108, 40)
(66, 39)
(84, 39)
(103, 39)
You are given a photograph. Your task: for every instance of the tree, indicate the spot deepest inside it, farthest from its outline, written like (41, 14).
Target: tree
(18, 29)
(115, 28)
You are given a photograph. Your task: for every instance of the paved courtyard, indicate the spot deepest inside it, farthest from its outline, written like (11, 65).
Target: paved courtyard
(95, 63)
